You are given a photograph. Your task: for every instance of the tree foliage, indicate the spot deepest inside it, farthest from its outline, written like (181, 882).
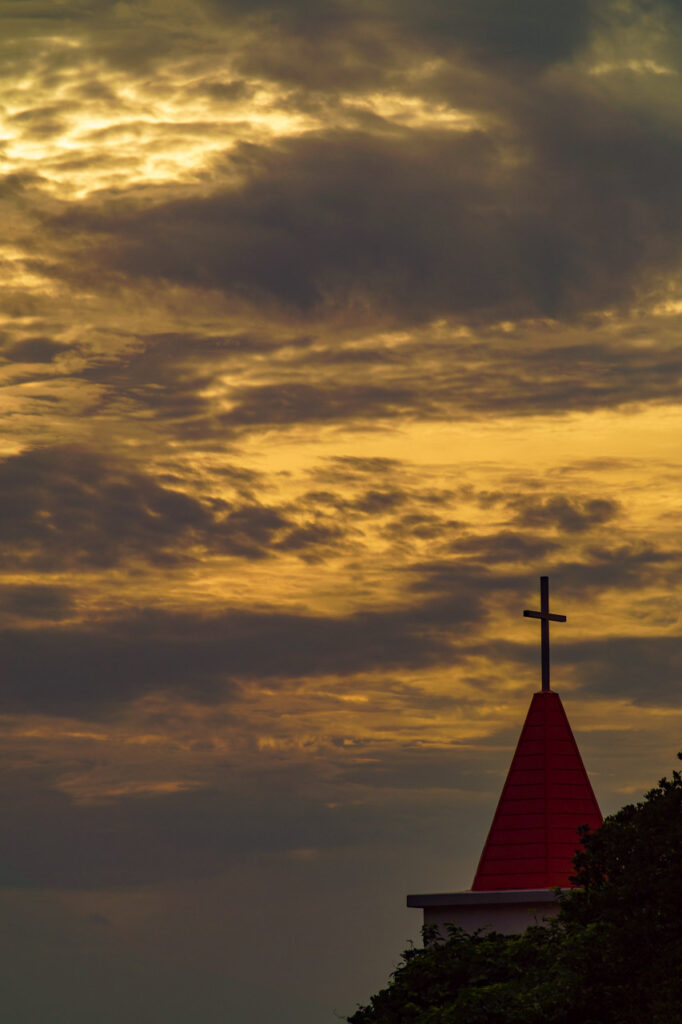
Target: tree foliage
(612, 956)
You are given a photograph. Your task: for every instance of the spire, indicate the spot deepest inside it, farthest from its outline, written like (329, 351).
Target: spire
(547, 795)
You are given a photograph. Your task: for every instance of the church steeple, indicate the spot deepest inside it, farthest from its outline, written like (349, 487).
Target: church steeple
(534, 835)
(547, 796)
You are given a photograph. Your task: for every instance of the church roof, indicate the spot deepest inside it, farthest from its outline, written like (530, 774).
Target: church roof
(547, 796)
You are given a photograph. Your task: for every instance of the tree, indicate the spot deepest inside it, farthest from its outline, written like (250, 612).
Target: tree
(612, 956)
(627, 913)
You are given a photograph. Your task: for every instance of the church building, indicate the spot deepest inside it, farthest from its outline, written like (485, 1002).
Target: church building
(534, 833)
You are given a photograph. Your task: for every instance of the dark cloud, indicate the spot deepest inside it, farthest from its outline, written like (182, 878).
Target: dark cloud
(315, 225)
(66, 506)
(313, 539)
(36, 601)
(445, 577)
(563, 513)
(473, 198)
(495, 379)
(520, 372)
(463, 767)
(405, 510)
(41, 122)
(418, 224)
(179, 378)
(70, 506)
(422, 526)
(89, 669)
(531, 32)
(624, 566)
(348, 43)
(506, 546)
(515, 374)
(200, 832)
(380, 502)
(150, 839)
(236, 89)
(318, 17)
(168, 374)
(287, 404)
(35, 350)
(644, 670)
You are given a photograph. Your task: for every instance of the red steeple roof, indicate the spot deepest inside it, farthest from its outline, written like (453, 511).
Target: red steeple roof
(547, 795)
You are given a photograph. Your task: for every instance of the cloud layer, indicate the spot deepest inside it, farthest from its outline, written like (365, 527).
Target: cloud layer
(323, 333)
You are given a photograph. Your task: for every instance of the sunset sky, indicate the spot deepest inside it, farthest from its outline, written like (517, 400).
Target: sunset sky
(326, 329)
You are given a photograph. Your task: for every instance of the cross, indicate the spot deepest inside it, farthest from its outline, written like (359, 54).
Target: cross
(545, 619)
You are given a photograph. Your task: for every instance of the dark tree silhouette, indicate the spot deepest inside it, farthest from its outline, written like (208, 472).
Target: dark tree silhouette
(612, 956)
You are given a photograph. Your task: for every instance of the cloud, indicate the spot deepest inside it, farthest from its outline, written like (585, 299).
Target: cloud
(354, 468)
(251, 248)
(563, 513)
(462, 768)
(288, 404)
(532, 369)
(201, 832)
(623, 566)
(348, 43)
(37, 601)
(420, 224)
(66, 506)
(143, 840)
(506, 546)
(87, 670)
(35, 350)
(644, 670)
(168, 375)
(530, 32)
(314, 226)
(537, 205)
(75, 507)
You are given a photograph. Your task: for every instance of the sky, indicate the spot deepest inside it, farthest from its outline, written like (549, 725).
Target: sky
(325, 330)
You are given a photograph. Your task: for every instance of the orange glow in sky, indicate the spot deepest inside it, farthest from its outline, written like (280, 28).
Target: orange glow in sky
(324, 334)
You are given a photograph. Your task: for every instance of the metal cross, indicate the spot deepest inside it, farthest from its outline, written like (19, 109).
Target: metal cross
(545, 618)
